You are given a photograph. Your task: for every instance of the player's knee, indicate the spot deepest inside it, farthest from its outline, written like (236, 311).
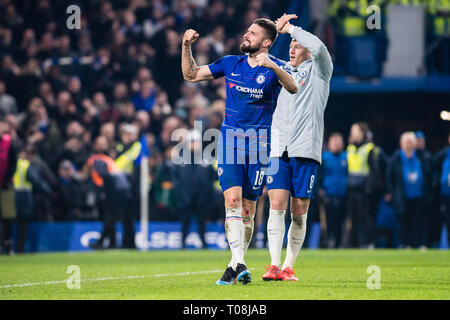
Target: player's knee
(246, 212)
(299, 206)
(233, 201)
(278, 199)
(278, 204)
(299, 211)
(248, 208)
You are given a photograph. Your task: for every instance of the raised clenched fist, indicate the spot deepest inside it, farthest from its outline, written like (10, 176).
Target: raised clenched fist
(190, 36)
(263, 60)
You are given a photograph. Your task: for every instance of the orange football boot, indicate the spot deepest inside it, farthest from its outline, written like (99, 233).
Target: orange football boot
(273, 273)
(288, 275)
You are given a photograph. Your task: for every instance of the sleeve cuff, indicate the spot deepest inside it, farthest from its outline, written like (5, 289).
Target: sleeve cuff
(291, 29)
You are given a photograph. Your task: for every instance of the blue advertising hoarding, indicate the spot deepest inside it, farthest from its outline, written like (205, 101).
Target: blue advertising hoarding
(76, 236)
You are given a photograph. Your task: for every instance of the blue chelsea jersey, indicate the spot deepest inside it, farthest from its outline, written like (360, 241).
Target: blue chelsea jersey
(252, 94)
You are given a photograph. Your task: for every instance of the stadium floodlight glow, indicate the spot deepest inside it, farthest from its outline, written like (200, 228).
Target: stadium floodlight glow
(445, 115)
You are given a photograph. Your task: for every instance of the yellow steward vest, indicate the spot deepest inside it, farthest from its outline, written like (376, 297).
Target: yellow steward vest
(358, 158)
(20, 176)
(125, 160)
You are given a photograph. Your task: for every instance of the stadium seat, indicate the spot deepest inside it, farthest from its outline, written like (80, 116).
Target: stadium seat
(363, 58)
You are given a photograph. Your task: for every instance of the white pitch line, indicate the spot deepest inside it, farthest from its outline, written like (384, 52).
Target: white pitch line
(186, 273)
(46, 283)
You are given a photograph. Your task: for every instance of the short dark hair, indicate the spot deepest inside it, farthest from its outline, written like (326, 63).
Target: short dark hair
(269, 27)
(336, 134)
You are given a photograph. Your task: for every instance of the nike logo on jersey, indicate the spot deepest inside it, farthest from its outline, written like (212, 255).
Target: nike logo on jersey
(235, 74)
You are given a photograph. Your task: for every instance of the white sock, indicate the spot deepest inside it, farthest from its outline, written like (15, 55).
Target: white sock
(249, 226)
(296, 236)
(275, 234)
(234, 230)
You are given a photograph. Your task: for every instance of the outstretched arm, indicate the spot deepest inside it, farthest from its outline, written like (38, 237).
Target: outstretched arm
(285, 78)
(318, 50)
(191, 72)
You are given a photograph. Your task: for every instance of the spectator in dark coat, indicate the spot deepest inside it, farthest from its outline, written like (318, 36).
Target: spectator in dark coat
(441, 165)
(407, 190)
(427, 160)
(42, 199)
(71, 196)
(193, 184)
(333, 188)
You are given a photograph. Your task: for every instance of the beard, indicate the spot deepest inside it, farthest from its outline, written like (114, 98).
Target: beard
(245, 47)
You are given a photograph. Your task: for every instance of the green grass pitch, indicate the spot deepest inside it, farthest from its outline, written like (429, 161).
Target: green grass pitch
(191, 274)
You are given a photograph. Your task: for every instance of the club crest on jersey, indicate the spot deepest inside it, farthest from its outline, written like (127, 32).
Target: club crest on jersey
(303, 74)
(302, 83)
(260, 79)
(219, 171)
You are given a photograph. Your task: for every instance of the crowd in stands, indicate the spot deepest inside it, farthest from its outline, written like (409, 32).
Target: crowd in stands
(354, 181)
(119, 74)
(118, 77)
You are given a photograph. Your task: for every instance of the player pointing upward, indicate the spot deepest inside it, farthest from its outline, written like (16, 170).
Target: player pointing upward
(253, 82)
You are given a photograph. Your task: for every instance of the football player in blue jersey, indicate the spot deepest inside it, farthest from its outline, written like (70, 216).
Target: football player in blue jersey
(253, 82)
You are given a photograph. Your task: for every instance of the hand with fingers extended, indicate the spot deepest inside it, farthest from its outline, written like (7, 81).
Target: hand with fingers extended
(283, 24)
(190, 36)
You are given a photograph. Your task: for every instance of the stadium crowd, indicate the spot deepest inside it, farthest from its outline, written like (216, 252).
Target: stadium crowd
(119, 78)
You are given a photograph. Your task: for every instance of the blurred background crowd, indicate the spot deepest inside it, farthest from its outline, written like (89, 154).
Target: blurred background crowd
(115, 85)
